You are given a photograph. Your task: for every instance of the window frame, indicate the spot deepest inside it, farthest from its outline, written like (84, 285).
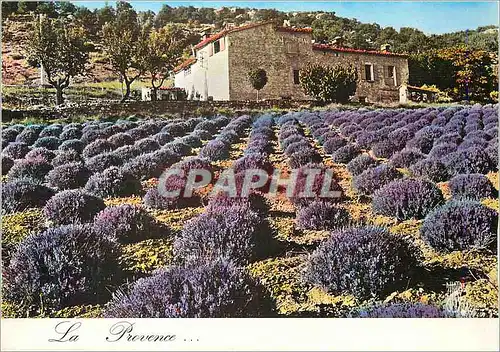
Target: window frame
(216, 45)
(392, 74)
(372, 72)
(296, 76)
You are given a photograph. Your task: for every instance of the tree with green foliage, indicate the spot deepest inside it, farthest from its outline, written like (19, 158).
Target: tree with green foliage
(164, 48)
(329, 83)
(65, 8)
(430, 68)
(258, 79)
(461, 72)
(474, 73)
(8, 8)
(105, 15)
(61, 49)
(88, 20)
(124, 41)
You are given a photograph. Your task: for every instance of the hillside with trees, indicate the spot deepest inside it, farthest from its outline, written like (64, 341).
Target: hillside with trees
(443, 60)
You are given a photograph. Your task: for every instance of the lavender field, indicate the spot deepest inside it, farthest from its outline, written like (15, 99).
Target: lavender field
(87, 231)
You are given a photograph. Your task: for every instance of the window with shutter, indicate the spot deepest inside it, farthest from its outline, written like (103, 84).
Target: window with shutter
(369, 72)
(391, 74)
(296, 77)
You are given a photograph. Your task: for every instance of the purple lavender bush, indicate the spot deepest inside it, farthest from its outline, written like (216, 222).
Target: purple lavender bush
(147, 145)
(322, 216)
(113, 182)
(66, 156)
(215, 150)
(460, 225)
(22, 194)
(468, 161)
(97, 147)
(68, 176)
(72, 207)
(384, 149)
(304, 157)
(406, 158)
(402, 310)
(128, 223)
(361, 163)
(233, 233)
(432, 169)
(407, 198)
(61, 267)
(374, 178)
(120, 139)
(70, 133)
(40, 153)
(16, 150)
(51, 143)
(253, 161)
(72, 144)
(101, 162)
(28, 136)
(51, 131)
(35, 169)
(331, 145)
(9, 134)
(471, 186)
(155, 200)
(365, 262)
(126, 152)
(346, 153)
(320, 180)
(216, 289)
(143, 167)
(442, 150)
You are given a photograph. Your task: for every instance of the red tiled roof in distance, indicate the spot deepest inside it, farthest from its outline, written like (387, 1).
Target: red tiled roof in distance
(172, 89)
(327, 47)
(188, 62)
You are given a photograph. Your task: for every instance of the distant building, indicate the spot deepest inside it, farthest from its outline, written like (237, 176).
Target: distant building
(164, 93)
(409, 93)
(220, 65)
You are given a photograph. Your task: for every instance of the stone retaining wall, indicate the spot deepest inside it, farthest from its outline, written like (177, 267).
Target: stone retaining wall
(179, 108)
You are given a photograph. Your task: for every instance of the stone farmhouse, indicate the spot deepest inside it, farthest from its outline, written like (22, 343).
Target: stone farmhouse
(220, 64)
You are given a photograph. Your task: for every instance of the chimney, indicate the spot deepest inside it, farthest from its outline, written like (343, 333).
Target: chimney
(385, 47)
(338, 42)
(204, 35)
(286, 23)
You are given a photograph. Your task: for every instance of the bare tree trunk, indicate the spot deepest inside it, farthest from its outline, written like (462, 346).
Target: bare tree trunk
(127, 91)
(154, 93)
(59, 95)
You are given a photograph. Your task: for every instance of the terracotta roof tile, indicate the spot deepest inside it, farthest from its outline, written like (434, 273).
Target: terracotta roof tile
(188, 62)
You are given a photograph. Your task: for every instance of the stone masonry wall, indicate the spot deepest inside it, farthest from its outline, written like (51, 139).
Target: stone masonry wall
(279, 53)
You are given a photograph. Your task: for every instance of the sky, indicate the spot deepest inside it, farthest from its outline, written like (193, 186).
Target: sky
(430, 17)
